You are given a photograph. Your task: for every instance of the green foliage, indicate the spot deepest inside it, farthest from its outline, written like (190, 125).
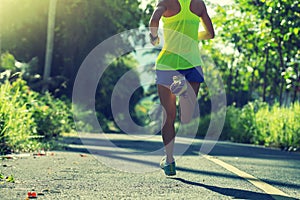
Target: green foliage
(243, 122)
(25, 115)
(7, 61)
(83, 116)
(9, 179)
(259, 123)
(203, 125)
(79, 27)
(145, 107)
(108, 83)
(52, 116)
(11, 69)
(16, 123)
(232, 129)
(278, 126)
(263, 55)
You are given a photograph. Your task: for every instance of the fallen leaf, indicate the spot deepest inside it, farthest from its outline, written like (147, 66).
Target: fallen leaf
(10, 179)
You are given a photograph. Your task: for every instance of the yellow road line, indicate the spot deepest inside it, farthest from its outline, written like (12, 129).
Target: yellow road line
(267, 188)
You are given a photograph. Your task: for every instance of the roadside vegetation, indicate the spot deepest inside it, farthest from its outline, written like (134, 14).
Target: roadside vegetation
(261, 124)
(29, 120)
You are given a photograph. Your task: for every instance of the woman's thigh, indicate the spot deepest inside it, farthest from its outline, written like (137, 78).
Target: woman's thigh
(168, 101)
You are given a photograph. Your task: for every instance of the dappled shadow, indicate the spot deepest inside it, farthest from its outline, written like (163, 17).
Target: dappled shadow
(232, 176)
(99, 147)
(226, 149)
(140, 147)
(234, 193)
(136, 146)
(250, 151)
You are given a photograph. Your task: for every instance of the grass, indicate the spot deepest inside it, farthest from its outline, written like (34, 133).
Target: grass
(260, 123)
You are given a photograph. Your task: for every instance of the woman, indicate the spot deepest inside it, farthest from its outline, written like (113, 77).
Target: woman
(179, 61)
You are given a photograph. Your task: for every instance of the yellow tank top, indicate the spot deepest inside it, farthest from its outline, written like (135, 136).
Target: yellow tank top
(180, 50)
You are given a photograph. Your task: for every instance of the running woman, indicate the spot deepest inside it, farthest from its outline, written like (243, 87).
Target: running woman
(179, 61)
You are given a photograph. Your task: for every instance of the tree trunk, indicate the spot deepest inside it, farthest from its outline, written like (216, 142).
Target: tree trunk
(237, 88)
(50, 37)
(282, 69)
(229, 86)
(296, 84)
(265, 75)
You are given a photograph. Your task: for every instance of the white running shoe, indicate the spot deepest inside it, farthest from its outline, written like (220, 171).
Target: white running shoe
(179, 86)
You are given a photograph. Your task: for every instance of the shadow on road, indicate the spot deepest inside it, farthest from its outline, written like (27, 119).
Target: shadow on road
(220, 149)
(140, 147)
(232, 176)
(250, 151)
(86, 145)
(146, 146)
(234, 193)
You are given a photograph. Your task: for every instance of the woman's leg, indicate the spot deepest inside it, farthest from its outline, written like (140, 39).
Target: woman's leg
(187, 102)
(168, 101)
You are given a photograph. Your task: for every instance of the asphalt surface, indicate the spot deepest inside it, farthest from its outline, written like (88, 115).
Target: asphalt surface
(127, 167)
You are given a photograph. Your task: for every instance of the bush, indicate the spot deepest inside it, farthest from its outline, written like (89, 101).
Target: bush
(203, 126)
(247, 120)
(232, 129)
(278, 126)
(25, 115)
(16, 122)
(52, 116)
(259, 123)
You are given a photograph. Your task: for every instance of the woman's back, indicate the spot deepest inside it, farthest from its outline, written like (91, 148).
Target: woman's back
(180, 26)
(173, 7)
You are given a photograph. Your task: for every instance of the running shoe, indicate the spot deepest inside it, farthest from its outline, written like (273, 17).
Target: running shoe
(169, 168)
(179, 86)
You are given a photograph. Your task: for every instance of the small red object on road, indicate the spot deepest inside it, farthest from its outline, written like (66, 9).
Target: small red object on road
(31, 195)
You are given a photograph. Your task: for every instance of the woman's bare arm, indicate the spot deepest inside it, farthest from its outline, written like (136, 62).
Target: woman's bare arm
(208, 32)
(154, 21)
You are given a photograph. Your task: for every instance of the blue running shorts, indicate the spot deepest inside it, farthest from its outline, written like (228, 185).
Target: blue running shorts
(165, 77)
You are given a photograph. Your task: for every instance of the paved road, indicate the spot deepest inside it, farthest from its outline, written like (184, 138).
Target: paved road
(126, 167)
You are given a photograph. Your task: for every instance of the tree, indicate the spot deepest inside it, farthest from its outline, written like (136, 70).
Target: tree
(80, 26)
(263, 35)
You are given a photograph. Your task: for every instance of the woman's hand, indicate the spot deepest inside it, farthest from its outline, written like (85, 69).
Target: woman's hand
(208, 32)
(154, 21)
(154, 40)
